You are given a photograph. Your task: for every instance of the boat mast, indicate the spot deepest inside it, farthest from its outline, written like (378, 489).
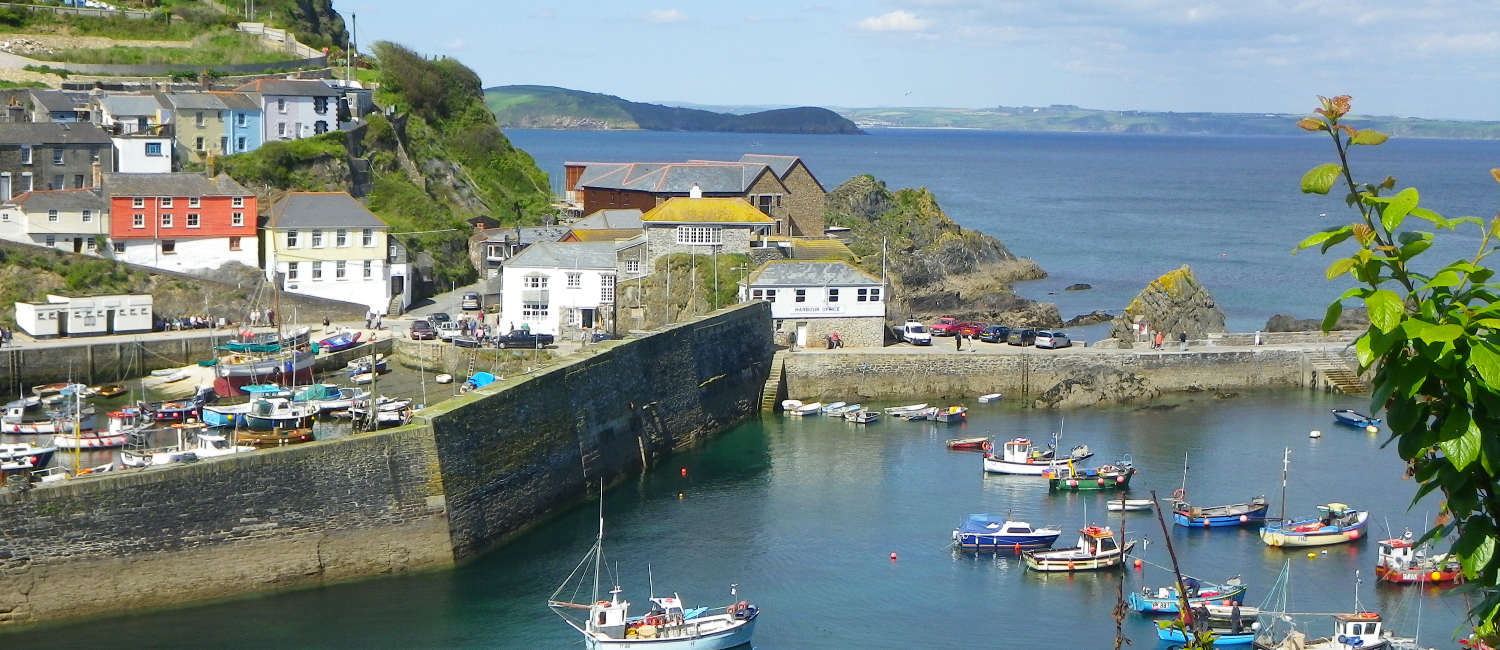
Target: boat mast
(1184, 475)
(599, 545)
(1285, 460)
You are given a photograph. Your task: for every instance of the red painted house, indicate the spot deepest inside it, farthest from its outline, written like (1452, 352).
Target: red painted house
(181, 222)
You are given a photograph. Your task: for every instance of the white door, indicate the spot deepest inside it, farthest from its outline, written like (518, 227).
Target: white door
(801, 335)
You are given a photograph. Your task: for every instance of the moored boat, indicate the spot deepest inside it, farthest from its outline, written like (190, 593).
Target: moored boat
(1096, 550)
(273, 437)
(952, 414)
(807, 409)
(1336, 523)
(834, 408)
(1354, 419)
(47, 390)
(192, 445)
(1224, 634)
(1165, 600)
(339, 342)
(1114, 476)
(236, 371)
(1234, 514)
(330, 397)
(374, 363)
(905, 410)
(1359, 630)
(111, 390)
(1402, 561)
(986, 533)
(915, 416)
(980, 443)
(992, 397)
(12, 452)
(228, 415)
(29, 417)
(181, 409)
(862, 416)
(1129, 505)
(271, 413)
(1018, 457)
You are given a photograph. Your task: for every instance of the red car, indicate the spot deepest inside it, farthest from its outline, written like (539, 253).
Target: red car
(971, 328)
(945, 326)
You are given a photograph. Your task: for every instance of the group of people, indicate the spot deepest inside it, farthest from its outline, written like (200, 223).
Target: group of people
(1197, 619)
(372, 320)
(1156, 342)
(255, 317)
(189, 323)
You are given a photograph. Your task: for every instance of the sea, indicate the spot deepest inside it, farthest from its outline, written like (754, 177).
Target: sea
(841, 534)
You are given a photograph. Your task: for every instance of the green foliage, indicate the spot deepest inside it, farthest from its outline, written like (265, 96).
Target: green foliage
(1434, 342)
(188, 23)
(46, 69)
(224, 48)
(6, 84)
(282, 165)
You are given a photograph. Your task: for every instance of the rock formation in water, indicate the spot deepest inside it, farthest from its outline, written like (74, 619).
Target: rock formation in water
(1102, 384)
(1091, 318)
(1351, 319)
(937, 267)
(1173, 303)
(1078, 287)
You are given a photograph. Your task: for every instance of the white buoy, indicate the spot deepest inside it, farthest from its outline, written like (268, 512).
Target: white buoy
(1315, 434)
(1372, 429)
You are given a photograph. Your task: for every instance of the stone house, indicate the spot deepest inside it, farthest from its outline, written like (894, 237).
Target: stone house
(811, 300)
(71, 220)
(703, 226)
(644, 186)
(326, 244)
(52, 156)
(560, 289)
(803, 204)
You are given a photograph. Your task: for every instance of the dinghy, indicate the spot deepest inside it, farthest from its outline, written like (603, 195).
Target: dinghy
(1129, 505)
(1354, 419)
(992, 397)
(969, 444)
(905, 410)
(1336, 523)
(862, 416)
(807, 409)
(836, 408)
(1164, 600)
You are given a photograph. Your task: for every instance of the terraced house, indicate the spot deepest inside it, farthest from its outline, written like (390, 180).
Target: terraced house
(181, 221)
(214, 123)
(72, 220)
(326, 244)
(52, 156)
(292, 109)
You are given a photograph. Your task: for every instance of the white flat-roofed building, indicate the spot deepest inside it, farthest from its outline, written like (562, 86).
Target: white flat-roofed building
(84, 316)
(810, 300)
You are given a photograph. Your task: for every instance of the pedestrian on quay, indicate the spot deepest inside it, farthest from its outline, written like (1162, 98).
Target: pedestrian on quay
(1183, 339)
(369, 318)
(255, 318)
(271, 317)
(958, 342)
(1157, 344)
(377, 321)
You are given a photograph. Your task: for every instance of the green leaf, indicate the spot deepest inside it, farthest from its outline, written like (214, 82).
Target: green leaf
(1331, 317)
(1339, 267)
(1444, 279)
(1441, 333)
(1486, 361)
(1385, 310)
(1477, 560)
(1362, 351)
(1368, 137)
(1435, 218)
(1336, 239)
(1319, 237)
(1320, 179)
(1465, 448)
(1394, 212)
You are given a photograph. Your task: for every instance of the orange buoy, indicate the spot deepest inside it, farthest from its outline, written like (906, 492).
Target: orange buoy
(1070, 565)
(684, 471)
(1137, 564)
(893, 557)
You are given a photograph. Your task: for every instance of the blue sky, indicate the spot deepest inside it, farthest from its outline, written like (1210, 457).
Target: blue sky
(1425, 58)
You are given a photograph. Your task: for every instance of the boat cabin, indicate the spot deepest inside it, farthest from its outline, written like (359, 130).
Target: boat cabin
(1357, 630)
(607, 617)
(1017, 451)
(1097, 541)
(1337, 514)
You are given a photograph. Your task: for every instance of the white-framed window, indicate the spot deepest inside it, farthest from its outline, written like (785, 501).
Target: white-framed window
(237, 219)
(572, 318)
(367, 237)
(291, 270)
(757, 294)
(833, 295)
(317, 238)
(25, 154)
(52, 216)
(88, 216)
(57, 155)
(699, 235)
(51, 241)
(194, 202)
(119, 247)
(606, 289)
(871, 295)
(138, 221)
(90, 244)
(166, 201)
(198, 119)
(632, 266)
(533, 312)
(153, 148)
(239, 119)
(575, 280)
(874, 295)
(281, 106)
(138, 202)
(192, 220)
(237, 202)
(239, 143)
(28, 181)
(166, 220)
(341, 238)
(281, 129)
(198, 143)
(291, 239)
(369, 269)
(317, 271)
(534, 281)
(340, 270)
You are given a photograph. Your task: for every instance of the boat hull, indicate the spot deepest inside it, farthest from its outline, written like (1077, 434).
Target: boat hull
(1352, 419)
(1417, 575)
(90, 440)
(1013, 543)
(731, 637)
(1154, 605)
(231, 378)
(39, 456)
(44, 427)
(1174, 634)
(1078, 484)
(998, 466)
(1060, 564)
(1233, 515)
(1291, 537)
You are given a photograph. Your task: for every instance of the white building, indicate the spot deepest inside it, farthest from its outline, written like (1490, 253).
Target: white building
(140, 128)
(72, 220)
(558, 288)
(326, 244)
(810, 300)
(85, 316)
(292, 109)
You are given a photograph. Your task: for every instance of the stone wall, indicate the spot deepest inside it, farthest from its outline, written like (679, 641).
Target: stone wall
(805, 205)
(853, 332)
(662, 240)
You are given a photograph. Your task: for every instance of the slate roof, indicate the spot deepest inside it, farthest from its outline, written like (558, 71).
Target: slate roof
(321, 210)
(238, 101)
(615, 219)
(44, 133)
(290, 88)
(705, 210)
(778, 164)
(118, 105)
(672, 178)
(61, 200)
(196, 102)
(174, 184)
(528, 236)
(571, 255)
(57, 101)
(809, 274)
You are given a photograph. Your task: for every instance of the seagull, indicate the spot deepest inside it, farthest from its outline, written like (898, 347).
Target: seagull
(908, 92)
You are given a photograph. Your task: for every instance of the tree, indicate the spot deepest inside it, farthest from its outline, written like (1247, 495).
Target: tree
(1434, 342)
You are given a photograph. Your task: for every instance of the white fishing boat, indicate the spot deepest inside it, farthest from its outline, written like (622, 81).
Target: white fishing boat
(190, 447)
(862, 416)
(1335, 523)
(807, 409)
(836, 408)
(15, 452)
(905, 410)
(667, 625)
(448, 379)
(362, 378)
(1018, 457)
(992, 397)
(1129, 505)
(1096, 550)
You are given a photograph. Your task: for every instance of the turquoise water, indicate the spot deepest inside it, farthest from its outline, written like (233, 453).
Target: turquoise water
(804, 513)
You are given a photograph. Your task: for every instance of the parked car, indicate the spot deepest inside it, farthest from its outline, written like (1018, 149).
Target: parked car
(915, 333)
(439, 317)
(945, 326)
(994, 334)
(1053, 340)
(1021, 336)
(470, 302)
(421, 330)
(523, 339)
(971, 328)
(446, 331)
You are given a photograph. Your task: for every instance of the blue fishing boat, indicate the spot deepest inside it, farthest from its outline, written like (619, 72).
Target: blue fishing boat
(1163, 600)
(1222, 636)
(339, 342)
(1354, 419)
(1234, 514)
(228, 415)
(986, 533)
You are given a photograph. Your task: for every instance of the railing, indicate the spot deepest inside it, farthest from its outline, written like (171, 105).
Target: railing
(134, 128)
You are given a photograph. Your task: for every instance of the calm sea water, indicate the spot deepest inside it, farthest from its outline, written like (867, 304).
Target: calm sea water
(1111, 210)
(804, 513)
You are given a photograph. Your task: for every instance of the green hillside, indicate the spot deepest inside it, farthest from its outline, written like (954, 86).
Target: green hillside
(548, 107)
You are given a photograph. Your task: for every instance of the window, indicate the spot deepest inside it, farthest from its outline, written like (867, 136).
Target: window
(802, 295)
(533, 312)
(369, 269)
(291, 239)
(223, 144)
(198, 122)
(281, 106)
(317, 270)
(239, 120)
(168, 247)
(320, 127)
(192, 220)
(320, 105)
(193, 202)
(699, 235)
(237, 219)
(28, 181)
(52, 216)
(234, 243)
(291, 270)
(166, 201)
(57, 183)
(764, 203)
(606, 288)
(281, 129)
(341, 238)
(57, 155)
(88, 216)
(153, 148)
(575, 280)
(237, 202)
(78, 181)
(166, 220)
(90, 244)
(534, 282)
(339, 270)
(198, 143)
(239, 144)
(771, 295)
(51, 241)
(119, 247)
(367, 238)
(632, 266)
(317, 239)
(139, 221)
(833, 295)
(94, 154)
(874, 295)
(25, 154)
(138, 202)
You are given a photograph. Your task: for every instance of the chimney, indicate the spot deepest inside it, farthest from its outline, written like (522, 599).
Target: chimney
(203, 79)
(696, 192)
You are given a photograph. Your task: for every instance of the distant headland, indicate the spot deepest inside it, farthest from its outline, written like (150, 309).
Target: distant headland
(549, 107)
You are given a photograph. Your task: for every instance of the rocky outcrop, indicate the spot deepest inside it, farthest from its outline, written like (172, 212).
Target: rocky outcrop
(1100, 385)
(1091, 318)
(1351, 319)
(1173, 303)
(1078, 287)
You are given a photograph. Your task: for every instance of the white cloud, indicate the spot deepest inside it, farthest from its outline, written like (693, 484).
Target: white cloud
(896, 21)
(663, 17)
(456, 45)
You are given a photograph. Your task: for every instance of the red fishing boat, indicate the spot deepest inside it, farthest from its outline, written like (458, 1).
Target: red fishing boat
(1401, 560)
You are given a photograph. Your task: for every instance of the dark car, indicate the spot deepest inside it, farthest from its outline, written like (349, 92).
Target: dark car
(523, 339)
(439, 317)
(995, 334)
(1021, 336)
(421, 330)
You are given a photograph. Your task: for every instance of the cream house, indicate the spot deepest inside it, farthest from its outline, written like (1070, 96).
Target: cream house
(70, 220)
(326, 244)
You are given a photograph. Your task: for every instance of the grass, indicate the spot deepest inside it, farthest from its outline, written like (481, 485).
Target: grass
(227, 48)
(280, 164)
(21, 21)
(6, 85)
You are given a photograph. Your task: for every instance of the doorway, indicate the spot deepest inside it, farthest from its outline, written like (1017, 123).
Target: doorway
(62, 324)
(802, 335)
(587, 322)
(109, 321)
(77, 244)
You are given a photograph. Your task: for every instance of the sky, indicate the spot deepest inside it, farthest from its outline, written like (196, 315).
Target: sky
(1417, 58)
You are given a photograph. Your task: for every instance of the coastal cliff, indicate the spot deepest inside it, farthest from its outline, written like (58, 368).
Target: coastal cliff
(549, 107)
(936, 266)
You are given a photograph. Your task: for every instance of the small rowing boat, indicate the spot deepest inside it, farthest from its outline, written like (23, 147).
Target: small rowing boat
(992, 397)
(905, 410)
(862, 416)
(1129, 505)
(836, 408)
(952, 414)
(969, 444)
(1354, 419)
(806, 409)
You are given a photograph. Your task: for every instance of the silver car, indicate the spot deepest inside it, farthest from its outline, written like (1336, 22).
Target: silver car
(1051, 339)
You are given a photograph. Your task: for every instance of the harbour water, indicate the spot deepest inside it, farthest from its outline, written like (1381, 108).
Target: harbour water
(804, 514)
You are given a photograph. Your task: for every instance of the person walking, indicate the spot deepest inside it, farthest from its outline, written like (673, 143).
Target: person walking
(271, 317)
(255, 318)
(377, 321)
(369, 317)
(958, 342)
(1157, 344)
(1182, 338)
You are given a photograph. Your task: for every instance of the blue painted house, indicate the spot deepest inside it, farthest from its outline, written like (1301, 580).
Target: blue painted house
(243, 123)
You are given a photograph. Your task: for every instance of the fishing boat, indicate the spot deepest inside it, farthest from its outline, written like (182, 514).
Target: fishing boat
(268, 343)
(1360, 630)
(1114, 476)
(271, 413)
(807, 409)
(992, 397)
(1165, 600)
(952, 414)
(1234, 514)
(48, 390)
(182, 409)
(192, 445)
(236, 371)
(1129, 505)
(111, 390)
(668, 625)
(12, 452)
(1096, 550)
(374, 363)
(969, 444)
(987, 533)
(905, 410)
(1224, 633)
(330, 397)
(228, 415)
(1018, 457)
(28, 417)
(273, 437)
(388, 412)
(89, 440)
(915, 416)
(339, 342)
(1402, 561)
(1336, 523)
(862, 416)
(836, 408)
(1354, 419)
